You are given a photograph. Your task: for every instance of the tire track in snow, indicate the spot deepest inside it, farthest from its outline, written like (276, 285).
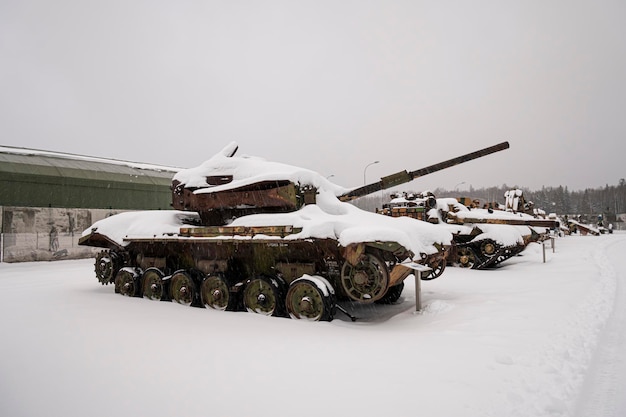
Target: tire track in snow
(550, 378)
(603, 389)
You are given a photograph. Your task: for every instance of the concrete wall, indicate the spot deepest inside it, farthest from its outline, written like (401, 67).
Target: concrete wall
(46, 234)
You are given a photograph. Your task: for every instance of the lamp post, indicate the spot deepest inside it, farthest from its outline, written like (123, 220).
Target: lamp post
(457, 186)
(365, 169)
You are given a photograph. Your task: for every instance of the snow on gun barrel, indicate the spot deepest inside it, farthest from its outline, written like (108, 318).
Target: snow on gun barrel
(250, 234)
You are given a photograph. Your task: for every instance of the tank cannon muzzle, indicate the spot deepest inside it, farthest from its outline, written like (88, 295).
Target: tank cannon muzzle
(403, 177)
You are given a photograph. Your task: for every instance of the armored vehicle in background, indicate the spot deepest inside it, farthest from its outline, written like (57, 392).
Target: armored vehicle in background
(482, 237)
(488, 237)
(269, 238)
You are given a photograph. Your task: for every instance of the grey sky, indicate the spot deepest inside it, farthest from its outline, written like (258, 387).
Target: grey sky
(327, 85)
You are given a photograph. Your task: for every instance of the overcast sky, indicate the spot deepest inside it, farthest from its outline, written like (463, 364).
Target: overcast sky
(327, 85)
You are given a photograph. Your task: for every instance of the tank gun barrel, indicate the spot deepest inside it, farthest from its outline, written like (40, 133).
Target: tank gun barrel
(403, 177)
(452, 218)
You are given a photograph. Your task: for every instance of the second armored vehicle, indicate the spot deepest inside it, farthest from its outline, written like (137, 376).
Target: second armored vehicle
(483, 237)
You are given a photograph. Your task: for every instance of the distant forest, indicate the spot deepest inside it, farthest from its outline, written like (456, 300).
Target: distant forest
(608, 201)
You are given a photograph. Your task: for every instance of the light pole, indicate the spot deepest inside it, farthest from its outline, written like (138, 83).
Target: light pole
(457, 186)
(365, 169)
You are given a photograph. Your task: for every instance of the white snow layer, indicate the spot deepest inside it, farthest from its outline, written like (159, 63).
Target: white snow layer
(248, 170)
(507, 235)
(37, 152)
(515, 341)
(328, 218)
(347, 224)
(138, 224)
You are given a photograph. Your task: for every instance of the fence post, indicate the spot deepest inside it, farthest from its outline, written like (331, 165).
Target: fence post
(418, 271)
(418, 291)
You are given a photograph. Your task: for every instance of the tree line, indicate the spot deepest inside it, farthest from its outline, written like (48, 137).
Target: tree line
(608, 201)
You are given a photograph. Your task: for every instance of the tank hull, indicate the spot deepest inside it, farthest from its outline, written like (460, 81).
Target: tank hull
(240, 259)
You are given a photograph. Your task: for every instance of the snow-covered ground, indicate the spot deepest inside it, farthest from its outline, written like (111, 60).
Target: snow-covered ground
(522, 340)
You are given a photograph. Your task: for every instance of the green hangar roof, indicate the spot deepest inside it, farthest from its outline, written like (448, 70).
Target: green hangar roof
(34, 178)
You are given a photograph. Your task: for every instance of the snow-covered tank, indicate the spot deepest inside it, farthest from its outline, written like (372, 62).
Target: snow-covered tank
(482, 237)
(486, 237)
(249, 234)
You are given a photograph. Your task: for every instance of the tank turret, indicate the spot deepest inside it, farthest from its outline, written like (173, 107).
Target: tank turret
(219, 194)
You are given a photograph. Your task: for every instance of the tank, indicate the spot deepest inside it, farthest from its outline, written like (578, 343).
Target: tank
(491, 236)
(252, 235)
(482, 237)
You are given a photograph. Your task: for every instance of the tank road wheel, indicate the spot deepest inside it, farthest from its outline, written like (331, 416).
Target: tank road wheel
(107, 265)
(488, 248)
(214, 293)
(182, 288)
(153, 285)
(310, 299)
(127, 282)
(392, 295)
(264, 295)
(466, 257)
(367, 280)
(438, 266)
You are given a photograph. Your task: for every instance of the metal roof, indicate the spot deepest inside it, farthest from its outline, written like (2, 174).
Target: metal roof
(30, 161)
(40, 178)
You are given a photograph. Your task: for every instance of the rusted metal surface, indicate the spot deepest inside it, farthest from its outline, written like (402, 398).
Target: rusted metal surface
(398, 274)
(452, 218)
(98, 240)
(270, 196)
(352, 253)
(583, 228)
(242, 231)
(413, 212)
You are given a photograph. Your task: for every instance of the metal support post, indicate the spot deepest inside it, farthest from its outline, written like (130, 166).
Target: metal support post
(418, 291)
(419, 270)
